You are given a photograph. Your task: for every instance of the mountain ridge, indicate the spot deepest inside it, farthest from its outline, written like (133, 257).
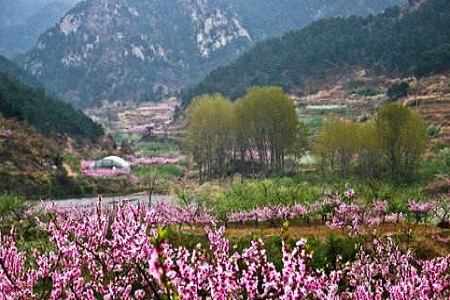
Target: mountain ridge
(400, 42)
(20, 38)
(120, 50)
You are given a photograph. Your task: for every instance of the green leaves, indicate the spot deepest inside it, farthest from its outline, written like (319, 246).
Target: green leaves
(392, 144)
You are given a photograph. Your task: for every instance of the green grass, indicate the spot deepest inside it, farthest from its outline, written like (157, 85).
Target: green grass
(259, 193)
(10, 204)
(439, 165)
(159, 171)
(157, 146)
(156, 149)
(367, 92)
(287, 191)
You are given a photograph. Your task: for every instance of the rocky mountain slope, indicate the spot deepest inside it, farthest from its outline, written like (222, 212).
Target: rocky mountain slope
(107, 50)
(130, 49)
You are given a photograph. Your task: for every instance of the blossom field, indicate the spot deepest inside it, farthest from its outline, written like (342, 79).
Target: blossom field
(124, 252)
(104, 172)
(140, 128)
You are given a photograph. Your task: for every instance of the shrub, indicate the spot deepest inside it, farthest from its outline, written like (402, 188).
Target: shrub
(326, 252)
(433, 131)
(367, 92)
(397, 91)
(439, 165)
(12, 206)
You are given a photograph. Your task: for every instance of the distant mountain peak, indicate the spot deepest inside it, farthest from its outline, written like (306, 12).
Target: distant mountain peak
(26, 20)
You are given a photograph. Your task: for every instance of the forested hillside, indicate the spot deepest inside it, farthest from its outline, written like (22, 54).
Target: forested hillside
(50, 116)
(400, 42)
(268, 18)
(13, 70)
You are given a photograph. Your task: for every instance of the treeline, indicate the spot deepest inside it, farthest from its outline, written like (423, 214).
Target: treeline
(260, 134)
(390, 146)
(48, 115)
(401, 42)
(260, 127)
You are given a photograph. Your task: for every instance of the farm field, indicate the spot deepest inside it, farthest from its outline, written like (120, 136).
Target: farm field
(180, 150)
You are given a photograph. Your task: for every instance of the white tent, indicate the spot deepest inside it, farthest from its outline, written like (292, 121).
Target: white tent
(111, 162)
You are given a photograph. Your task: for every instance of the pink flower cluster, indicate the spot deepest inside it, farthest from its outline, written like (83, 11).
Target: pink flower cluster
(5, 133)
(172, 214)
(350, 193)
(140, 128)
(121, 254)
(354, 218)
(134, 161)
(100, 173)
(269, 213)
(421, 210)
(157, 107)
(85, 164)
(417, 207)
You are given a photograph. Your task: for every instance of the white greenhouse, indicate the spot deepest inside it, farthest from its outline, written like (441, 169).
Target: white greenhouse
(112, 163)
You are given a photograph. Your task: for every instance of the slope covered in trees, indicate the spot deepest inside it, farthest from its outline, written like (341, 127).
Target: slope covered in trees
(13, 70)
(265, 18)
(410, 41)
(48, 115)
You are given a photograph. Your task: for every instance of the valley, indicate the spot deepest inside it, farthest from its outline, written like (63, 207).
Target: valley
(215, 150)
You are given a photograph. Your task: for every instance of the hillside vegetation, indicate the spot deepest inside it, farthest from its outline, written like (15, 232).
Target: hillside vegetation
(13, 70)
(272, 18)
(399, 42)
(48, 115)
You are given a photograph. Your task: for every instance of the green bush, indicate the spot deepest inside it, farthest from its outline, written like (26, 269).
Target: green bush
(439, 165)
(397, 91)
(11, 206)
(327, 251)
(168, 171)
(433, 131)
(156, 149)
(73, 161)
(367, 92)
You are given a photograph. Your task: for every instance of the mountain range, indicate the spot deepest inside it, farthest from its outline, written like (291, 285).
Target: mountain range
(23, 21)
(131, 50)
(401, 42)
